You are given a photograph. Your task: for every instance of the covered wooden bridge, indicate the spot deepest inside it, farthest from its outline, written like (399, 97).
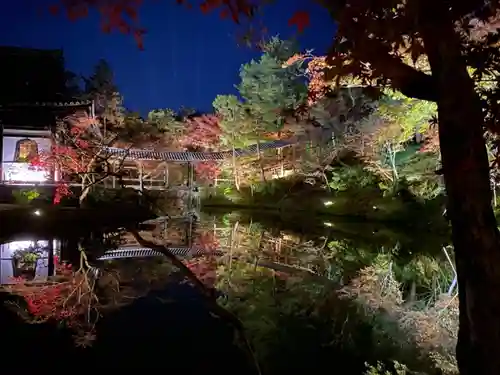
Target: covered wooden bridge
(159, 170)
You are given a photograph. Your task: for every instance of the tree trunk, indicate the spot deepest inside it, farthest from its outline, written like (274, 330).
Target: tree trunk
(466, 174)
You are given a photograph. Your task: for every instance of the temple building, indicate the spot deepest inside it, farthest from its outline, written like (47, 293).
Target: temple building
(33, 98)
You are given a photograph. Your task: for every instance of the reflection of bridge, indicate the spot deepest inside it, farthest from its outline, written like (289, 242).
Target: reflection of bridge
(188, 252)
(144, 252)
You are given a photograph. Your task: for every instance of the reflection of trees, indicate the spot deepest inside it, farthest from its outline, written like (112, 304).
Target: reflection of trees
(124, 280)
(336, 255)
(291, 313)
(78, 295)
(69, 298)
(299, 324)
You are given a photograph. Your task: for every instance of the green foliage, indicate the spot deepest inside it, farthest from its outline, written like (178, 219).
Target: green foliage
(166, 121)
(101, 88)
(280, 49)
(419, 172)
(343, 178)
(393, 125)
(299, 324)
(343, 111)
(268, 89)
(412, 115)
(380, 368)
(235, 121)
(101, 80)
(25, 196)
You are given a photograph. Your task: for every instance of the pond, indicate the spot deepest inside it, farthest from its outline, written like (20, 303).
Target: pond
(311, 291)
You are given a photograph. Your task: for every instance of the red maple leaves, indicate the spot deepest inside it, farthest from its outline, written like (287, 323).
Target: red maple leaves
(300, 19)
(45, 302)
(71, 158)
(203, 134)
(205, 266)
(122, 15)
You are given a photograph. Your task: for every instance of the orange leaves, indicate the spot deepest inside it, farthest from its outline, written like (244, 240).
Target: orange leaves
(316, 67)
(301, 19)
(202, 132)
(293, 60)
(205, 267)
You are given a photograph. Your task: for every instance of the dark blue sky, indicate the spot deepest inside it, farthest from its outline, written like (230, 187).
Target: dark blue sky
(189, 58)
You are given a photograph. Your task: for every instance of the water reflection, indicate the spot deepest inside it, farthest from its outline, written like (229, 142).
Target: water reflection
(337, 250)
(29, 258)
(281, 276)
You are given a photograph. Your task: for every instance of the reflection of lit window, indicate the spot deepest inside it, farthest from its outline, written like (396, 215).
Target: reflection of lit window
(26, 149)
(8, 249)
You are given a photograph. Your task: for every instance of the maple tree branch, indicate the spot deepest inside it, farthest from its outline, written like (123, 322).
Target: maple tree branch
(109, 173)
(365, 46)
(176, 262)
(207, 293)
(410, 81)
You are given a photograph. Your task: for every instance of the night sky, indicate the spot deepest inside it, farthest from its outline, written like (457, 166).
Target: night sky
(189, 58)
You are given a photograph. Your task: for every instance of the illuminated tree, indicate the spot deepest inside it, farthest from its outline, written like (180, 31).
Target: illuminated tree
(203, 133)
(101, 89)
(271, 92)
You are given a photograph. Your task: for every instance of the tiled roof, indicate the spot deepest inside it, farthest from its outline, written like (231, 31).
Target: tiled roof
(184, 157)
(72, 103)
(143, 252)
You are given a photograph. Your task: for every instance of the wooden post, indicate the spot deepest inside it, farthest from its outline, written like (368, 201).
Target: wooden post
(50, 266)
(141, 182)
(165, 176)
(190, 186)
(113, 168)
(280, 155)
(189, 233)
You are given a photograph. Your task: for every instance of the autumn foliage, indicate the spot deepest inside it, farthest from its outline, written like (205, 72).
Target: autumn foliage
(58, 300)
(72, 155)
(203, 133)
(318, 86)
(123, 15)
(205, 266)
